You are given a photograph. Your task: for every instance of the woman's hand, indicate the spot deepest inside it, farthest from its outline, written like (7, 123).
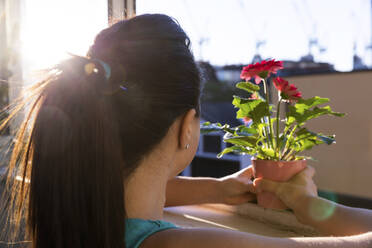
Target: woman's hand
(237, 188)
(330, 218)
(233, 189)
(294, 193)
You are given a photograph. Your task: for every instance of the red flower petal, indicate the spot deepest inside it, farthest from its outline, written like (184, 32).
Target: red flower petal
(258, 80)
(260, 70)
(288, 92)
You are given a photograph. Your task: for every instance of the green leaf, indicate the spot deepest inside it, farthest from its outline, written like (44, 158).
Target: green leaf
(228, 129)
(304, 157)
(305, 144)
(327, 139)
(306, 140)
(208, 127)
(251, 108)
(307, 109)
(207, 124)
(235, 149)
(305, 104)
(260, 127)
(237, 101)
(302, 106)
(247, 86)
(266, 153)
(302, 117)
(290, 120)
(303, 133)
(245, 131)
(246, 141)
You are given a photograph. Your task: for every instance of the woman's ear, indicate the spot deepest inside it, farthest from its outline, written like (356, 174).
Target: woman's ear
(187, 130)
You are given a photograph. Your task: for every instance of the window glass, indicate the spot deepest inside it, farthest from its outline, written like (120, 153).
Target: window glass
(52, 29)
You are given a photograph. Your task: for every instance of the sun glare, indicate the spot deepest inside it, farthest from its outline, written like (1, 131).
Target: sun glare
(52, 29)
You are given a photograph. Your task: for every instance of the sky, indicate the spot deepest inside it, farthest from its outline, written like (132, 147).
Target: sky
(229, 29)
(52, 29)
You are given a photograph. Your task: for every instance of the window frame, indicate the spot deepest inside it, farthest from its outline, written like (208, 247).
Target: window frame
(120, 9)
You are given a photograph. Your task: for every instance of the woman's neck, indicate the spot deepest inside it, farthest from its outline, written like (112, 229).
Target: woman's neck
(145, 189)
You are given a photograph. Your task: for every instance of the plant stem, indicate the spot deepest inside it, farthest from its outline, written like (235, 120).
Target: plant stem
(289, 155)
(277, 150)
(286, 129)
(284, 154)
(265, 133)
(292, 153)
(288, 139)
(271, 132)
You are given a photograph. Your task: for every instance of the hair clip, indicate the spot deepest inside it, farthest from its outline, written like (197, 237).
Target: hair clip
(123, 88)
(106, 67)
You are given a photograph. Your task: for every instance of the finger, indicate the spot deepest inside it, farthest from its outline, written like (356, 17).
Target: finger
(308, 172)
(248, 197)
(246, 185)
(311, 171)
(246, 172)
(261, 184)
(243, 198)
(250, 187)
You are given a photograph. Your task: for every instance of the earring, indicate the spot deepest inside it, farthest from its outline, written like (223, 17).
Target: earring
(187, 146)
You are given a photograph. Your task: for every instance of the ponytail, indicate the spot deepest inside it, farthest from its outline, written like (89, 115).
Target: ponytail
(76, 195)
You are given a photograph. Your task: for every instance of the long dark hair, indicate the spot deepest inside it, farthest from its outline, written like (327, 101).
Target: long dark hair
(90, 124)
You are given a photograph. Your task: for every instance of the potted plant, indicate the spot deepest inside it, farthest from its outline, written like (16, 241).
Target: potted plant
(275, 143)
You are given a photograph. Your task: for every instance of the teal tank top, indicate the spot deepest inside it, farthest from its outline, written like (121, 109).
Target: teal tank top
(137, 230)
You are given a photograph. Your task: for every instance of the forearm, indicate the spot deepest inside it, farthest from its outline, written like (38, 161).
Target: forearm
(334, 219)
(188, 191)
(355, 241)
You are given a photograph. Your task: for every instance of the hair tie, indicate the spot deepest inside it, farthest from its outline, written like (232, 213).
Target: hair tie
(106, 67)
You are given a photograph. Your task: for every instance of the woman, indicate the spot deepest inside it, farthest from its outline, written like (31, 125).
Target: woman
(106, 134)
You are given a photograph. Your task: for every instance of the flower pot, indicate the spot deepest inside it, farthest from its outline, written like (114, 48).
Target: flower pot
(279, 171)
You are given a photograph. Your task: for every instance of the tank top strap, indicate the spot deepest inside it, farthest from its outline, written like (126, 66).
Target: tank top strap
(137, 230)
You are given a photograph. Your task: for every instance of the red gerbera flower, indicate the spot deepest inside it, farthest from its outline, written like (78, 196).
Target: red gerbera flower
(261, 70)
(288, 92)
